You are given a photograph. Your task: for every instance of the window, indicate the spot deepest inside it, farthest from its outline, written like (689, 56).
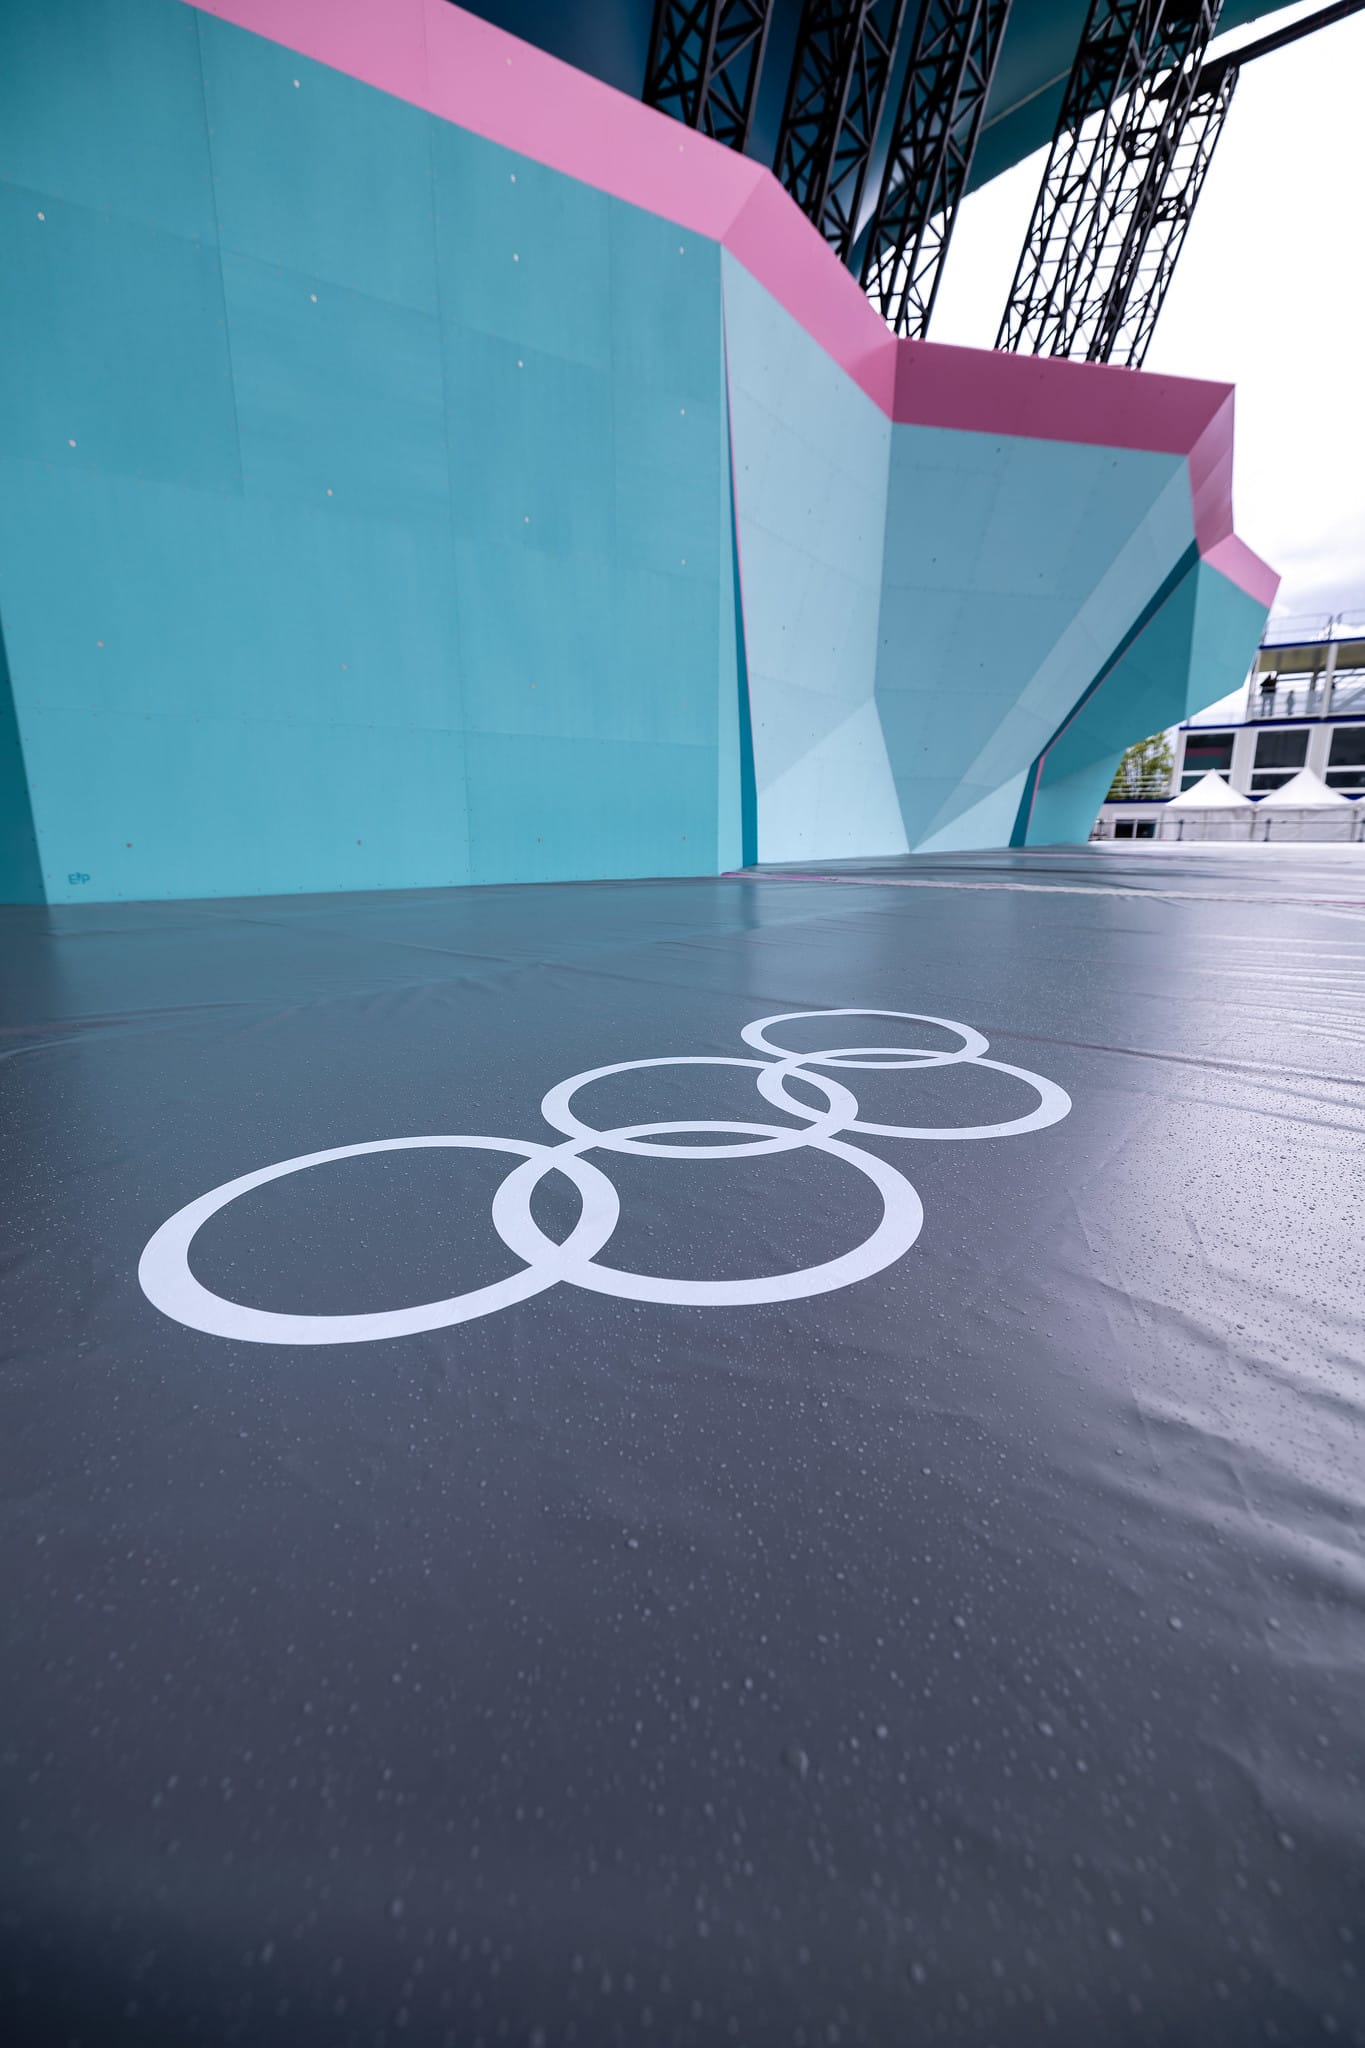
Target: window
(1204, 751)
(1278, 756)
(1346, 762)
(1144, 828)
(1123, 828)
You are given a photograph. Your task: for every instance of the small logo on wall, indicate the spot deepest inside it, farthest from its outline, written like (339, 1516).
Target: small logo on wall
(166, 1279)
(76, 876)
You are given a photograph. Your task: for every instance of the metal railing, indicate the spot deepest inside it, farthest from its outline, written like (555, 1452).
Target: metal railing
(1309, 666)
(1343, 698)
(1301, 629)
(1136, 789)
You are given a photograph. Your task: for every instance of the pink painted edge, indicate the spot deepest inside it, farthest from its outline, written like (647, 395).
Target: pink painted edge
(1232, 558)
(1210, 467)
(488, 82)
(480, 78)
(779, 247)
(1050, 398)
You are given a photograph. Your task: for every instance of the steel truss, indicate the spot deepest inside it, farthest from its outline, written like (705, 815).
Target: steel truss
(839, 77)
(952, 62)
(1132, 324)
(704, 61)
(1120, 182)
(1132, 318)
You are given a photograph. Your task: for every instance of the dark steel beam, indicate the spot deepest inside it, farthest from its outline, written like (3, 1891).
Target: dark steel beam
(1129, 322)
(1281, 38)
(952, 62)
(704, 60)
(1126, 321)
(839, 77)
(1112, 164)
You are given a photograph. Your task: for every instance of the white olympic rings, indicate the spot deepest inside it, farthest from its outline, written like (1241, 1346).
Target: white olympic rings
(168, 1283)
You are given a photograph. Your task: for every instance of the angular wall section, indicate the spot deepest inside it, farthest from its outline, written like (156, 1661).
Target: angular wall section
(399, 431)
(811, 454)
(1206, 630)
(1012, 568)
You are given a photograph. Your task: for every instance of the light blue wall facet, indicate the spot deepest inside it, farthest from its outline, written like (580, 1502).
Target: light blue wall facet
(113, 344)
(736, 798)
(537, 804)
(988, 819)
(1196, 647)
(1228, 627)
(338, 396)
(233, 694)
(99, 99)
(1012, 568)
(810, 457)
(394, 544)
(358, 218)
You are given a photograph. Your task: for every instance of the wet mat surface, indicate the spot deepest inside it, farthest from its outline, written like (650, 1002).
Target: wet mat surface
(870, 1588)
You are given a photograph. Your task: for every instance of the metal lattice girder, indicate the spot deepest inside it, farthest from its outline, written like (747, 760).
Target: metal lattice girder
(952, 61)
(1125, 108)
(1130, 324)
(704, 61)
(1131, 321)
(839, 76)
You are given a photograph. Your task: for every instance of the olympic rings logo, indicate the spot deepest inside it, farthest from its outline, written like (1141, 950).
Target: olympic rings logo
(166, 1280)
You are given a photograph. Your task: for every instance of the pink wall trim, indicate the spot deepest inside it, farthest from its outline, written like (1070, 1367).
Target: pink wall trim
(478, 77)
(1210, 466)
(482, 79)
(987, 390)
(1234, 559)
(775, 242)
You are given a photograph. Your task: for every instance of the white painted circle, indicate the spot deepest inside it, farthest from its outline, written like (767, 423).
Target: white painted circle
(888, 1058)
(1053, 1104)
(165, 1276)
(901, 1221)
(166, 1280)
(842, 1107)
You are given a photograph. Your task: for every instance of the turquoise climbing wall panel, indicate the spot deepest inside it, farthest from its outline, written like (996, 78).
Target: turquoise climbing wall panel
(383, 538)
(810, 452)
(1202, 638)
(1012, 568)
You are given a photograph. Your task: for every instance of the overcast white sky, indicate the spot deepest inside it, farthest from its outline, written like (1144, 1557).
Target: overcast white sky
(1269, 294)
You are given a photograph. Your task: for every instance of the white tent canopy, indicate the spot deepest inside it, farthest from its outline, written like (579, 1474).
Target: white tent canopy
(1210, 793)
(1304, 791)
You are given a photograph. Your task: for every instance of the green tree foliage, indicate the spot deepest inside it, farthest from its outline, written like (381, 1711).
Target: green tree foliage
(1145, 770)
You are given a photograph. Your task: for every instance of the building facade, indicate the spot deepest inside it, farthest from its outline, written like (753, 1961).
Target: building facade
(1303, 707)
